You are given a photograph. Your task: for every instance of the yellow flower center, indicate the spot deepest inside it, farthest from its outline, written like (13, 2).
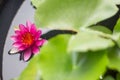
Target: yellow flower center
(28, 39)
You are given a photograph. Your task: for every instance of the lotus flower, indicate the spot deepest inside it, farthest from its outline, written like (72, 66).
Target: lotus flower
(27, 40)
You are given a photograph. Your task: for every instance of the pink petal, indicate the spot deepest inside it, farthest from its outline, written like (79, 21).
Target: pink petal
(14, 38)
(35, 50)
(38, 34)
(27, 55)
(17, 44)
(21, 48)
(28, 24)
(33, 29)
(40, 42)
(18, 32)
(23, 28)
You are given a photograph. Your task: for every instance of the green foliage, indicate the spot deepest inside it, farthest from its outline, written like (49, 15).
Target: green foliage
(36, 3)
(101, 29)
(118, 76)
(109, 78)
(114, 58)
(117, 27)
(116, 1)
(84, 56)
(57, 64)
(69, 14)
(89, 40)
(116, 32)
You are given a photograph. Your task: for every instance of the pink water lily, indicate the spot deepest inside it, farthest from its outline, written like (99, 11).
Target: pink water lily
(27, 41)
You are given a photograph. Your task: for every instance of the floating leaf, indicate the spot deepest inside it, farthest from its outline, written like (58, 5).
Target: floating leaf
(101, 29)
(116, 2)
(36, 3)
(89, 40)
(117, 27)
(73, 13)
(116, 33)
(118, 76)
(91, 66)
(108, 78)
(56, 63)
(114, 58)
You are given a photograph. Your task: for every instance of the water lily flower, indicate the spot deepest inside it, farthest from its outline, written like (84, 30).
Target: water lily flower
(27, 41)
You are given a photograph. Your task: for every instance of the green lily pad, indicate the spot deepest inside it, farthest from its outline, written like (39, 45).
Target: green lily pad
(116, 33)
(69, 14)
(117, 2)
(56, 63)
(101, 29)
(114, 58)
(108, 78)
(90, 40)
(118, 76)
(36, 3)
(117, 27)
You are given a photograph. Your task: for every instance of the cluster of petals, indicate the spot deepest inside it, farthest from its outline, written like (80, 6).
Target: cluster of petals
(27, 41)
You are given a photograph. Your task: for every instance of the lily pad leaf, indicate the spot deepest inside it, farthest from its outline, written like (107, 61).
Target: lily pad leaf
(117, 2)
(88, 66)
(36, 3)
(118, 76)
(117, 27)
(90, 40)
(116, 33)
(108, 78)
(101, 29)
(55, 62)
(70, 14)
(114, 58)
